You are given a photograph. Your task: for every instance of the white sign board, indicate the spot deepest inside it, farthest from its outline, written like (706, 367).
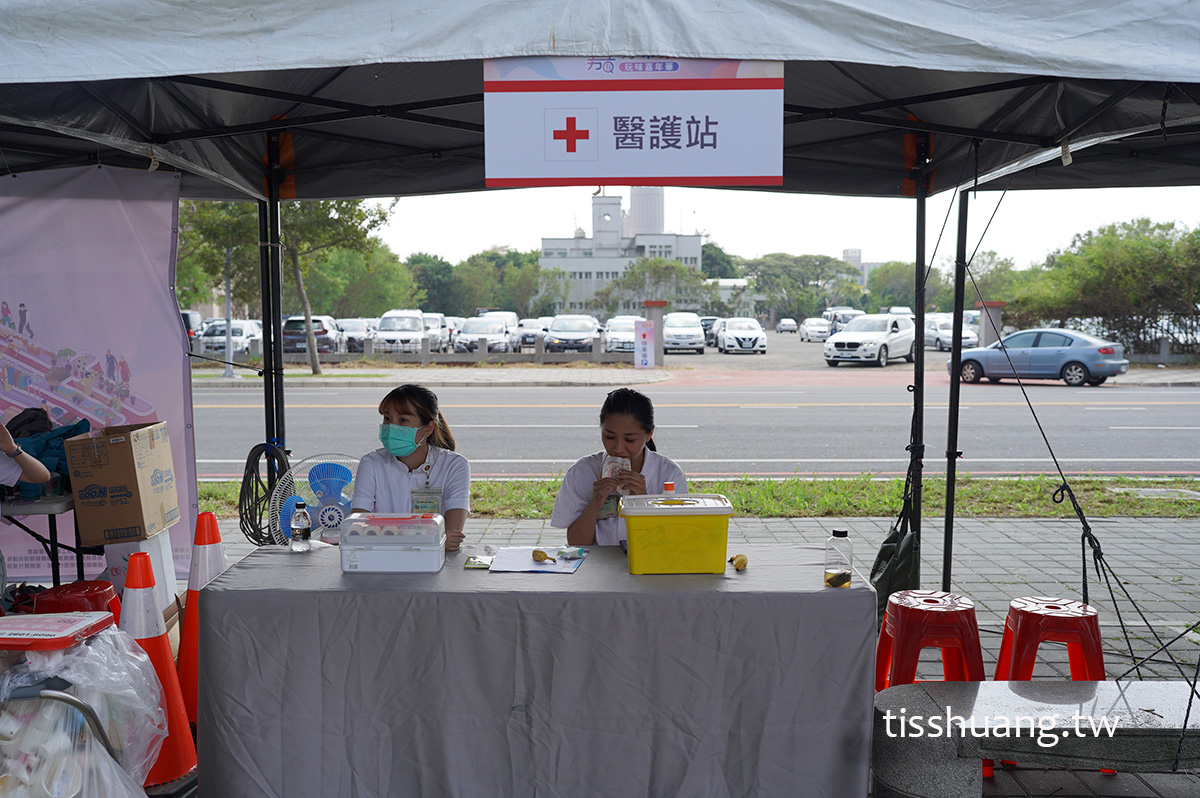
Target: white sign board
(643, 344)
(632, 121)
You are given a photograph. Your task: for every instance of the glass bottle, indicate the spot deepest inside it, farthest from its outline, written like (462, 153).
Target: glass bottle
(839, 558)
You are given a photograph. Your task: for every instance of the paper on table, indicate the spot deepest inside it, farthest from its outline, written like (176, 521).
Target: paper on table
(520, 558)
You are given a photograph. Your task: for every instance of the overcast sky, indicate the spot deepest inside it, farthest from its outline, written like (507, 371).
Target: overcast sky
(1028, 226)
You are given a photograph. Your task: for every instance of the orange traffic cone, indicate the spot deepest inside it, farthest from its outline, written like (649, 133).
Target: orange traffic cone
(208, 562)
(142, 620)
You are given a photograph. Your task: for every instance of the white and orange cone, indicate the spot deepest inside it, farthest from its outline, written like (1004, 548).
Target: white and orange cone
(143, 621)
(208, 562)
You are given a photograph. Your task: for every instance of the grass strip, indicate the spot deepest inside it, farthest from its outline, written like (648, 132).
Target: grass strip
(806, 497)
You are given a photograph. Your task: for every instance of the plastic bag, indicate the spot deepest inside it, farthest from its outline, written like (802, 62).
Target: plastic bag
(47, 746)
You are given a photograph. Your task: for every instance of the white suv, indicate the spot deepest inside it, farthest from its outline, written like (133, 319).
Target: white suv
(683, 331)
(874, 338)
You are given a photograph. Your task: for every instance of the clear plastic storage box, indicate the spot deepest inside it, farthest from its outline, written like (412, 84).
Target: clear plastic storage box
(669, 534)
(374, 543)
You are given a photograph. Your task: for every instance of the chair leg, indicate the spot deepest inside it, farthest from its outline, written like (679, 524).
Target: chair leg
(1004, 660)
(883, 659)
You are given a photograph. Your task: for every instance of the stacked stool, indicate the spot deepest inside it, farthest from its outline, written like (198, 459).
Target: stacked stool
(1033, 620)
(918, 619)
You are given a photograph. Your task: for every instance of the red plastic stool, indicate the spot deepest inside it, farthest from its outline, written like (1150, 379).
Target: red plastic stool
(94, 596)
(918, 619)
(1034, 619)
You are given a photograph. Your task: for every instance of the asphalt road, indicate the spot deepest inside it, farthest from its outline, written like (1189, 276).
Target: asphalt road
(773, 415)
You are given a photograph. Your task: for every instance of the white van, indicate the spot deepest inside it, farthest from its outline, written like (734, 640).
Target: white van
(400, 331)
(512, 323)
(438, 331)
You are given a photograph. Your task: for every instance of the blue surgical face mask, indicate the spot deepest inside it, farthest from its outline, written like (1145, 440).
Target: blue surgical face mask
(399, 441)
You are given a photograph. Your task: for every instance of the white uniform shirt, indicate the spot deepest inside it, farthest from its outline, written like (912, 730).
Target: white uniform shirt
(10, 472)
(576, 492)
(383, 484)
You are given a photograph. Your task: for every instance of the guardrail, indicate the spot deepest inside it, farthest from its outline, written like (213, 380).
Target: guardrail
(536, 355)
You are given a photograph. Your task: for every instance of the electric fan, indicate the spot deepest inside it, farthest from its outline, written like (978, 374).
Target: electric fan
(326, 484)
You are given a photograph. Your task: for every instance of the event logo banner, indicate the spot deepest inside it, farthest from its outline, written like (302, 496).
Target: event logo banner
(632, 121)
(89, 326)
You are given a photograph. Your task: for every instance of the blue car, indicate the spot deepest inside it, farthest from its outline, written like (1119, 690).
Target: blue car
(1074, 357)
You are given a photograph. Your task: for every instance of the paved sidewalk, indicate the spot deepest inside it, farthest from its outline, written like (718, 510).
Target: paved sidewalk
(996, 560)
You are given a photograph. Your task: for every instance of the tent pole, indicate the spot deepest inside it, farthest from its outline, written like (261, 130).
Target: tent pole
(952, 453)
(275, 178)
(268, 337)
(917, 452)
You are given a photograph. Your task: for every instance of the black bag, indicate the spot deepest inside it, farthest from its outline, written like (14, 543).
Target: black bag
(896, 566)
(29, 422)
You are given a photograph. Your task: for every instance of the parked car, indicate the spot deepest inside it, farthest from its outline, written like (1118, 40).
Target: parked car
(455, 324)
(192, 323)
(786, 325)
(814, 329)
(1074, 357)
(710, 334)
(437, 331)
(512, 324)
(357, 331)
(571, 333)
(682, 331)
(491, 328)
(939, 333)
(242, 332)
(400, 331)
(839, 316)
(531, 330)
(707, 322)
(620, 334)
(329, 336)
(901, 310)
(742, 334)
(873, 338)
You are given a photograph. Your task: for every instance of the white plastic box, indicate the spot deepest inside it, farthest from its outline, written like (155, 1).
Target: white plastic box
(374, 543)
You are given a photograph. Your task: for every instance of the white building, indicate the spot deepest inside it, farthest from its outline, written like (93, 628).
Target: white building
(618, 239)
(854, 258)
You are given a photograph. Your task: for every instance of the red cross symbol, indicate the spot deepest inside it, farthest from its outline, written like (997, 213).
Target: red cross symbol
(571, 135)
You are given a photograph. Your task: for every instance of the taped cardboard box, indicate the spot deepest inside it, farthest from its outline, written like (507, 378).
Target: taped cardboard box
(124, 483)
(162, 561)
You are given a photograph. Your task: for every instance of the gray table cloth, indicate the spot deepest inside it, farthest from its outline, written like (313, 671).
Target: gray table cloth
(469, 683)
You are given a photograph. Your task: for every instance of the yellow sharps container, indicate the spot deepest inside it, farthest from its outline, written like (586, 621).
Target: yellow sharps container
(677, 534)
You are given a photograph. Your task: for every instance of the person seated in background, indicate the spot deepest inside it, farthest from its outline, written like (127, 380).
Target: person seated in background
(586, 505)
(417, 470)
(19, 466)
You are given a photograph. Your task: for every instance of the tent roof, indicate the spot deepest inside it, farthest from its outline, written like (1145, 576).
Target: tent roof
(383, 98)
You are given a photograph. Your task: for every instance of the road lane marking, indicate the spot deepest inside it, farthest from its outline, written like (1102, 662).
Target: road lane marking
(1182, 428)
(591, 405)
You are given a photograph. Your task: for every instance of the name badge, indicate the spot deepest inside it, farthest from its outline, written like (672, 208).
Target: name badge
(427, 500)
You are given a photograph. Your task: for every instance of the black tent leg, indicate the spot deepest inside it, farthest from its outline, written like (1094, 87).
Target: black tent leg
(917, 452)
(960, 278)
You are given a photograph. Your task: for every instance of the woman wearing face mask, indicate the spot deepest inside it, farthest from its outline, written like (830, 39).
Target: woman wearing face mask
(417, 470)
(587, 501)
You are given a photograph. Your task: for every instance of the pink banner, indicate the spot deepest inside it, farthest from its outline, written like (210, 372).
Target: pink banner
(89, 326)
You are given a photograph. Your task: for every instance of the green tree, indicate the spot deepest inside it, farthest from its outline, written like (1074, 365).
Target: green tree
(801, 285)
(346, 283)
(435, 278)
(890, 284)
(312, 227)
(716, 263)
(212, 234)
(683, 287)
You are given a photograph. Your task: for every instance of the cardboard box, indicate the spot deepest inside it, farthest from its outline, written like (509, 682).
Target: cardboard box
(124, 483)
(159, 548)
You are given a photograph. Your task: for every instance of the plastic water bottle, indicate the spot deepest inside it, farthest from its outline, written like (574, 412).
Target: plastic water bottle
(839, 558)
(301, 528)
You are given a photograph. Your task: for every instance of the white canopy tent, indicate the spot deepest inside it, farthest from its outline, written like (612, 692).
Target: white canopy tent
(379, 97)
